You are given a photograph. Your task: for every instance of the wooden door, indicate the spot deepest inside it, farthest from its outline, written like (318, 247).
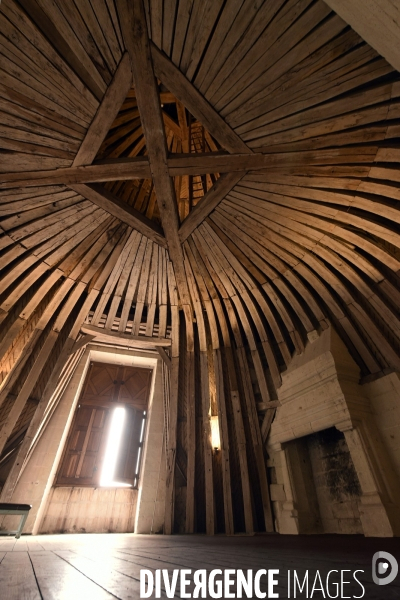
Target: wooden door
(106, 386)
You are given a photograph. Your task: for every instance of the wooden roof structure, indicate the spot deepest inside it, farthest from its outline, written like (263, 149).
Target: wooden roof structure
(217, 179)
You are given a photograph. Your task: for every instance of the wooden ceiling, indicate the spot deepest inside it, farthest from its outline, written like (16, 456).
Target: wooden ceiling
(116, 124)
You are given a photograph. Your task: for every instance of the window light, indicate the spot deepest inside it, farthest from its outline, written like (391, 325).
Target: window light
(112, 449)
(215, 439)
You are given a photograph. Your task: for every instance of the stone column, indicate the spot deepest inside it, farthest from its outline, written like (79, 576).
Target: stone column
(379, 512)
(282, 493)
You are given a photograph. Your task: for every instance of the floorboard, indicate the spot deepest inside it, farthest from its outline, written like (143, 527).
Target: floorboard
(105, 566)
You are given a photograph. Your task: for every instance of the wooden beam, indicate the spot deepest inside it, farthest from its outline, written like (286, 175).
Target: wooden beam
(186, 93)
(133, 168)
(176, 164)
(120, 209)
(217, 162)
(86, 339)
(139, 168)
(106, 113)
(164, 356)
(211, 199)
(124, 339)
(134, 31)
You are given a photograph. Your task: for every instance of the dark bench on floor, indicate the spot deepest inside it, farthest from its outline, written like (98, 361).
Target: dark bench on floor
(8, 508)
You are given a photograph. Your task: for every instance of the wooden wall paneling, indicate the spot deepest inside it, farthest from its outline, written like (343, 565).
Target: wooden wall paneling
(254, 21)
(353, 69)
(168, 25)
(303, 78)
(112, 282)
(20, 268)
(274, 222)
(53, 224)
(205, 401)
(222, 226)
(73, 22)
(328, 277)
(27, 27)
(114, 17)
(309, 199)
(247, 56)
(362, 75)
(26, 215)
(358, 261)
(22, 59)
(131, 247)
(347, 78)
(315, 283)
(204, 288)
(173, 404)
(25, 85)
(142, 287)
(201, 26)
(152, 293)
(33, 113)
(218, 41)
(15, 328)
(344, 270)
(51, 22)
(354, 109)
(185, 8)
(349, 236)
(79, 259)
(256, 439)
(282, 50)
(90, 272)
(52, 98)
(240, 296)
(251, 284)
(133, 281)
(194, 17)
(155, 17)
(89, 16)
(162, 292)
(42, 357)
(72, 241)
(105, 19)
(222, 280)
(267, 263)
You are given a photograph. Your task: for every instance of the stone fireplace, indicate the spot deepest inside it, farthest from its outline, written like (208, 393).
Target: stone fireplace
(333, 465)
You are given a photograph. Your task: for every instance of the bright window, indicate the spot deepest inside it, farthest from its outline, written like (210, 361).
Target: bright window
(104, 446)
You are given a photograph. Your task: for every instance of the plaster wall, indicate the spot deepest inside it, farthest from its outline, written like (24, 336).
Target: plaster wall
(384, 396)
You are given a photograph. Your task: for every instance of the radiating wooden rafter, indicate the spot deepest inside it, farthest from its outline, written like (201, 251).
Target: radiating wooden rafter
(301, 119)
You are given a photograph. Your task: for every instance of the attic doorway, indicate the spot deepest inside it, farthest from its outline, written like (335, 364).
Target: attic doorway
(105, 443)
(89, 506)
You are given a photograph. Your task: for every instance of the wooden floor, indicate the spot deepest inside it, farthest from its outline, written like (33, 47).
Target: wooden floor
(105, 566)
